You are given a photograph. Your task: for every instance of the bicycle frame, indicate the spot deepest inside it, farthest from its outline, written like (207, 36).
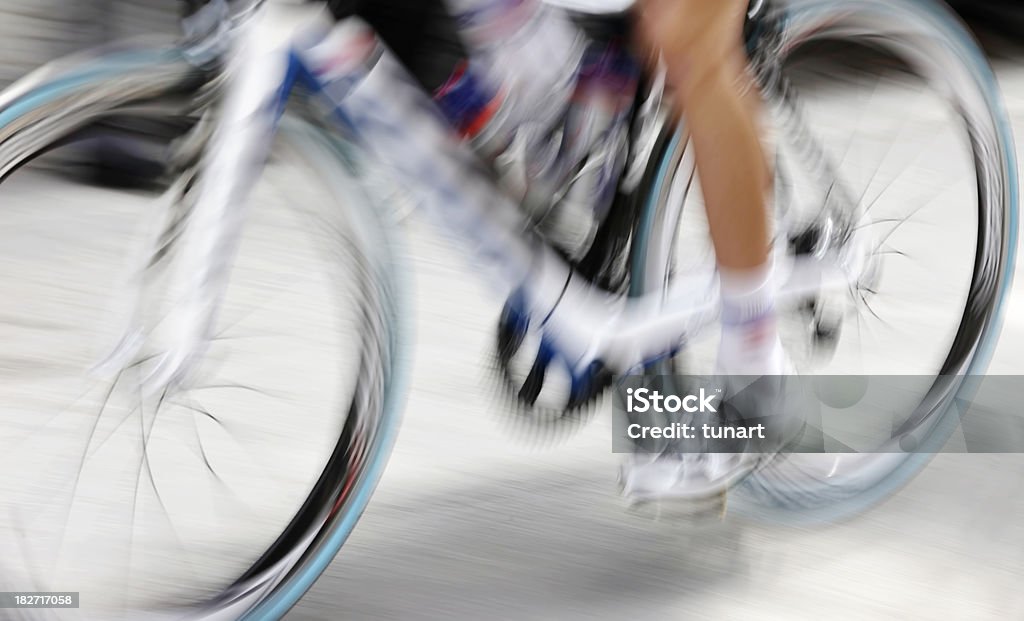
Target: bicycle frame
(372, 103)
(375, 104)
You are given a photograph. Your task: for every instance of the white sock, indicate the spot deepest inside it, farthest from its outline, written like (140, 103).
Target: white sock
(750, 342)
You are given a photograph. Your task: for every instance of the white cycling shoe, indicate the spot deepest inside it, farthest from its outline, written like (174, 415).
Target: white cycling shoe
(700, 476)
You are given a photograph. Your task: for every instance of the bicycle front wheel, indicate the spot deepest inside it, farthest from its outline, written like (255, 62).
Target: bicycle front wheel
(227, 498)
(886, 117)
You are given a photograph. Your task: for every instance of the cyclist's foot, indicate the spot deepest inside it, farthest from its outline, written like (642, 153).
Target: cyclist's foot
(776, 402)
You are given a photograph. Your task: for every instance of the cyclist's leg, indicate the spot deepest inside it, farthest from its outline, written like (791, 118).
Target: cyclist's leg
(702, 46)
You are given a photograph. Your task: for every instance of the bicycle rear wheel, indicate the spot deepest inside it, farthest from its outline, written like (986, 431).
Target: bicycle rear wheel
(888, 116)
(227, 499)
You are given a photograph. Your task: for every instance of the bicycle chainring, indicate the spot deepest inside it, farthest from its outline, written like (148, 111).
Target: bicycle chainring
(545, 395)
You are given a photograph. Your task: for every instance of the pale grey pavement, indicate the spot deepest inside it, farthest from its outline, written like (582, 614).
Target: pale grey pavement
(475, 521)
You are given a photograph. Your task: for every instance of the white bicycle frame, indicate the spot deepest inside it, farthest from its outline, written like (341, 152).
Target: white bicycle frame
(375, 104)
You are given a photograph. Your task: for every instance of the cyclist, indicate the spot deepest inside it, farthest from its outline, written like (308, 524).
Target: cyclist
(700, 42)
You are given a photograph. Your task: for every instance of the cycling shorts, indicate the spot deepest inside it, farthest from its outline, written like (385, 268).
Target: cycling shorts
(422, 33)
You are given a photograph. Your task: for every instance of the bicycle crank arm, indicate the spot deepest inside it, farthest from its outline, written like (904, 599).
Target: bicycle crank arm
(625, 335)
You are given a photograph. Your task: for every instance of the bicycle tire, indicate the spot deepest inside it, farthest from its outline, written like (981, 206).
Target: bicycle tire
(977, 101)
(47, 107)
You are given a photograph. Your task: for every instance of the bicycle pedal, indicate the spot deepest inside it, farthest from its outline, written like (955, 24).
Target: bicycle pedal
(532, 372)
(711, 509)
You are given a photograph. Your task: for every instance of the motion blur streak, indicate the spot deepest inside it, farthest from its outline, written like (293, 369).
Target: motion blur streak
(470, 522)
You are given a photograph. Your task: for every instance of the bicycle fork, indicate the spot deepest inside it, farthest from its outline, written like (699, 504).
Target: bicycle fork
(258, 81)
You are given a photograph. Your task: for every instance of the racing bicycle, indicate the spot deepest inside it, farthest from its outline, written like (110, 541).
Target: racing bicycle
(170, 357)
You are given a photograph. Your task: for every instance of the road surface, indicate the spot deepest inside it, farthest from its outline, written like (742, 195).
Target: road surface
(473, 519)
